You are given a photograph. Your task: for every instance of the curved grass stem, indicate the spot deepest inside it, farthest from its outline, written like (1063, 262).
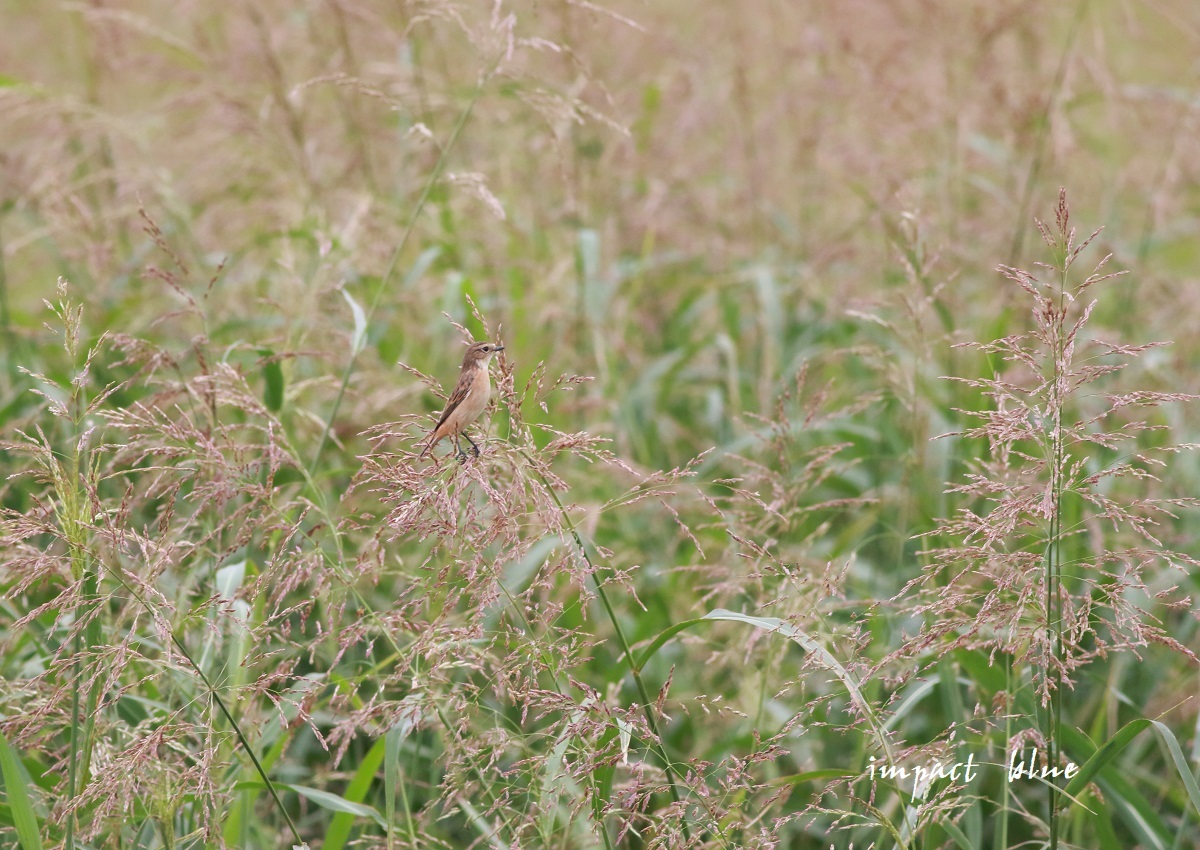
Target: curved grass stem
(656, 745)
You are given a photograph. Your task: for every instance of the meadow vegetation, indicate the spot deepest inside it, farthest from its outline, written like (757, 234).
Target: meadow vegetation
(831, 441)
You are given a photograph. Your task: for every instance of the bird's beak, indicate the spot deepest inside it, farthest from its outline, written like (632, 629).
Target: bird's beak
(499, 347)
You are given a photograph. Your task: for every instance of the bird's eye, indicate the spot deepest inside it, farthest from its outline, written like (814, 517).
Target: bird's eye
(487, 348)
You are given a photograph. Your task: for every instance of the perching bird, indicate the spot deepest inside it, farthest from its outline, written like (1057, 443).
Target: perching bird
(468, 400)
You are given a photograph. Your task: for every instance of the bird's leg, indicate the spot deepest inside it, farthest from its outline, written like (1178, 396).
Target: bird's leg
(458, 449)
(472, 442)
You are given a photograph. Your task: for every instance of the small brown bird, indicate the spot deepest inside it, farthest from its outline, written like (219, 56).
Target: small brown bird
(468, 400)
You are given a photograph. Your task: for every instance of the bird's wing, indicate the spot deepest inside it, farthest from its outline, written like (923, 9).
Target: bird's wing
(456, 398)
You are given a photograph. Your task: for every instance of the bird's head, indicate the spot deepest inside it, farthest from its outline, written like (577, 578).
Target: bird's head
(479, 353)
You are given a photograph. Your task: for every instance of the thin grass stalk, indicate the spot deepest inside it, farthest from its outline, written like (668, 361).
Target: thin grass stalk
(656, 746)
(409, 827)
(369, 613)
(237, 730)
(72, 770)
(434, 176)
(73, 518)
(1011, 680)
(1054, 601)
(72, 763)
(1042, 135)
(212, 690)
(6, 333)
(93, 638)
(554, 677)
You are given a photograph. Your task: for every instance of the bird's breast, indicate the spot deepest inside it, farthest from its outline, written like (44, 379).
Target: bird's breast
(477, 398)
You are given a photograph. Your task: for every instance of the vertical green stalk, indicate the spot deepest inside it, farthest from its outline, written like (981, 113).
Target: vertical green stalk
(72, 766)
(1012, 680)
(73, 516)
(1053, 602)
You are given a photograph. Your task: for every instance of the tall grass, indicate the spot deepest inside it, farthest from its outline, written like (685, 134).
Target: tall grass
(1059, 557)
(712, 582)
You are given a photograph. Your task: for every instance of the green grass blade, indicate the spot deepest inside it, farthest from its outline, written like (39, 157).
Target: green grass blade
(1138, 814)
(273, 383)
(1180, 761)
(774, 624)
(335, 803)
(359, 341)
(487, 832)
(960, 837)
(339, 828)
(1109, 751)
(819, 775)
(660, 641)
(16, 782)
(392, 780)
